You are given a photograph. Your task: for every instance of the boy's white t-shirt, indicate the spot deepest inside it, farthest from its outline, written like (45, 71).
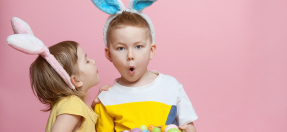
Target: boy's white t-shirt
(161, 102)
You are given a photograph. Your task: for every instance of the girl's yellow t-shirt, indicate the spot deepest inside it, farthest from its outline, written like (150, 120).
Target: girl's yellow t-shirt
(75, 106)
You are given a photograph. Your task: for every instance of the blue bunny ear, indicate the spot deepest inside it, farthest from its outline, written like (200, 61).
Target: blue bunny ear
(109, 6)
(139, 5)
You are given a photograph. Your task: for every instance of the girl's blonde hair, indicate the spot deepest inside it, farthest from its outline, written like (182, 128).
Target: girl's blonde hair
(46, 83)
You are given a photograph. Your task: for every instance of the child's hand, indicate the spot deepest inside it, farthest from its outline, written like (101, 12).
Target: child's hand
(187, 128)
(96, 100)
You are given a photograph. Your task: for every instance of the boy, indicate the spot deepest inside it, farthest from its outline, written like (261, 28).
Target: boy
(139, 97)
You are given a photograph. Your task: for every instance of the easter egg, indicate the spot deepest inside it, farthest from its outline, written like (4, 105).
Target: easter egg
(143, 127)
(136, 130)
(163, 127)
(156, 129)
(169, 127)
(150, 127)
(174, 130)
(146, 131)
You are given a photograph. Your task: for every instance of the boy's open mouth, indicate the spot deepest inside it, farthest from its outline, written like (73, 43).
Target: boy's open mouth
(132, 70)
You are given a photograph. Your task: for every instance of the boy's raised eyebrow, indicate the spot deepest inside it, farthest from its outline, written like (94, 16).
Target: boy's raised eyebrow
(121, 43)
(133, 43)
(116, 44)
(139, 42)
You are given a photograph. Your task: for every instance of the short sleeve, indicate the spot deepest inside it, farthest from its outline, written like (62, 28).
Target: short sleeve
(105, 122)
(185, 111)
(71, 105)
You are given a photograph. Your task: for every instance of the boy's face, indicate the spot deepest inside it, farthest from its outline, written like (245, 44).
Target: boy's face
(130, 50)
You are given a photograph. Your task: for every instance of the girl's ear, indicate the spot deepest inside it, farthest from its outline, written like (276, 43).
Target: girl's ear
(152, 51)
(76, 82)
(108, 54)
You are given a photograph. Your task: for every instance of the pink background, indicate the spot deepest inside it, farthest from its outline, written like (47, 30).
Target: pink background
(230, 56)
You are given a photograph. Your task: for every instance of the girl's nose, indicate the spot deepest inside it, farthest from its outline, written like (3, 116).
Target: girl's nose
(93, 61)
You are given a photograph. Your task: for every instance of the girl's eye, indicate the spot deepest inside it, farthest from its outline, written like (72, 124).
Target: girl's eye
(139, 46)
(121, 48)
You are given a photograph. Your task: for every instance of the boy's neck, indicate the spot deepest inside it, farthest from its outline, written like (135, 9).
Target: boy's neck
(147, 78)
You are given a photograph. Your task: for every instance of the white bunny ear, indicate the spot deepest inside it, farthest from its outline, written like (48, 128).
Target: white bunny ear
(139, 5)
(109, 6)
(26, 43)
(20, 27)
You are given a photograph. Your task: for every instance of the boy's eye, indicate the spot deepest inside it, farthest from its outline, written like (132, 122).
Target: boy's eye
(139, 46)
(121, 48)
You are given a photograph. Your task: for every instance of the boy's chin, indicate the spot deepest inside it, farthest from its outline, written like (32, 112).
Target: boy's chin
(131, 79)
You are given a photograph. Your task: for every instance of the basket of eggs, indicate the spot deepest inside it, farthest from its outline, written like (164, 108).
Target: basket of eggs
(152, 128)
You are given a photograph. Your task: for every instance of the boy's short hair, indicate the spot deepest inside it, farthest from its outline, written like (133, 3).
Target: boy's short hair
(127, 18)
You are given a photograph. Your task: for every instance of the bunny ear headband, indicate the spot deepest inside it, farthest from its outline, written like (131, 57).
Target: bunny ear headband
(116, 7)
(24, 40)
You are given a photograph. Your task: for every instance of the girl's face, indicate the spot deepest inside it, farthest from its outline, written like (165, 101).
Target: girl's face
(88, 71)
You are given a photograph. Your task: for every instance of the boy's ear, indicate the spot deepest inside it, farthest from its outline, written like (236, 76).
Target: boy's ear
(108, 54)
(76, 82)
(152, 51)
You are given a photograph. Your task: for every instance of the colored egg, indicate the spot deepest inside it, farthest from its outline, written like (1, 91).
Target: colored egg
(163, 127)
(156, 129)
(136, 130)
(174, 130)
(143, 127)
(170, 126)
(150, 127)
(146, 131)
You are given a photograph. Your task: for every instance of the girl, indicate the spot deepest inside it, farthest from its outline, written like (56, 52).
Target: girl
(60, 77)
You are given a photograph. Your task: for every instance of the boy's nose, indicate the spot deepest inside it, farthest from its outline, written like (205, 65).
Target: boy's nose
(130, 56)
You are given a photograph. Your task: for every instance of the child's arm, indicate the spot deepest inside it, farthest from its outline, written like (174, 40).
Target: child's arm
(96, 100)
(66, 123)
(188, 128)
(105, 122)
(186, 114)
